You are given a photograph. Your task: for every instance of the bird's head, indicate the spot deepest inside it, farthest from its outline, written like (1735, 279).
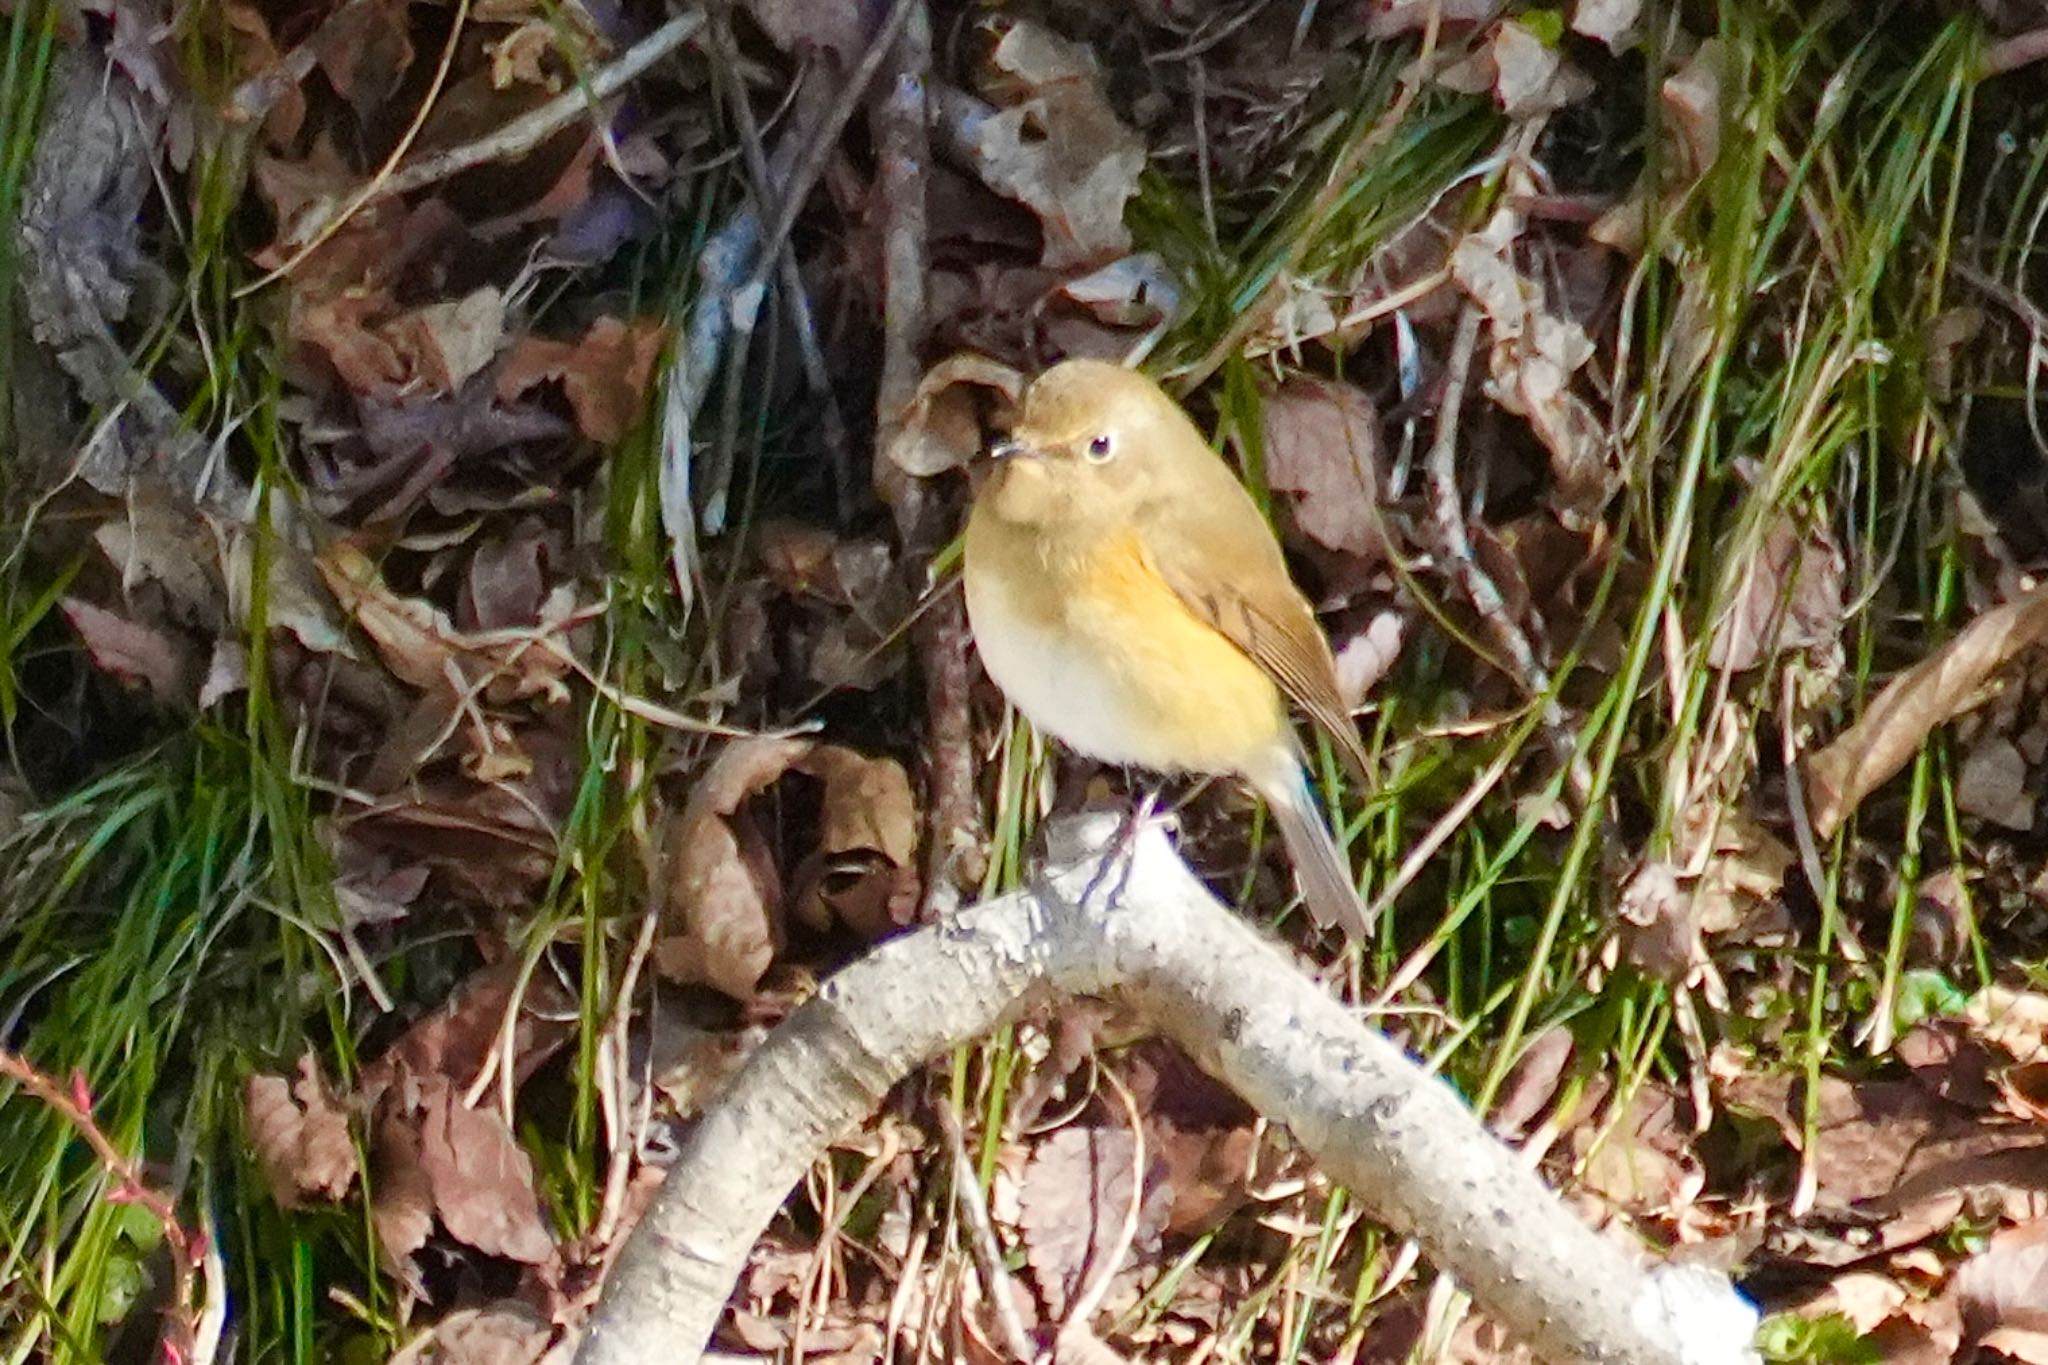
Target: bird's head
(1093, 442)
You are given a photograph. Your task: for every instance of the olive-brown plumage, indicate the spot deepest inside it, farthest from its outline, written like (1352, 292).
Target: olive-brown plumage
(1129, 598)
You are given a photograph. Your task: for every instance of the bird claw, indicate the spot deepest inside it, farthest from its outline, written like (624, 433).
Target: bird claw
(1114, 871)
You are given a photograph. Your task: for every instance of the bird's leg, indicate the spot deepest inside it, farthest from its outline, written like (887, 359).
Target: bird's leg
(1122, 851)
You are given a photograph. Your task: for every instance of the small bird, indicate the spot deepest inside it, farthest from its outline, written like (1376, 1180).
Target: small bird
(1127, 595)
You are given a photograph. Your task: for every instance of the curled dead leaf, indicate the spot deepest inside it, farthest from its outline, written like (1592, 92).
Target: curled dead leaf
(1057, 146)
(1929, 694)
(300, 1134)
(864, 869)
(1533, 353)
(941, 429)
(724, 914)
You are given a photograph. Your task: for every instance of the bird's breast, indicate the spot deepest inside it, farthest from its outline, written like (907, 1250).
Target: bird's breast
(1094, 647)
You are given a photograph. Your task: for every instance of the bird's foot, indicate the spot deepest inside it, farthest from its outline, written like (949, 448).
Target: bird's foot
(1113, 873)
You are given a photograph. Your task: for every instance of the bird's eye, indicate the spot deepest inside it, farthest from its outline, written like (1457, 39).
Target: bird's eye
(1100, 449)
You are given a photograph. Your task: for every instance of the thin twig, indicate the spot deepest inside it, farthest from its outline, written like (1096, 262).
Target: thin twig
(319, 226)
(811, 165)
(900, 119)
(820, 141)
(1092, 1294)
(74, 1106)
(769, 183)
(528, 131)
(1448, 512)
(627, 1128)
(901, 124)
(981, 1238)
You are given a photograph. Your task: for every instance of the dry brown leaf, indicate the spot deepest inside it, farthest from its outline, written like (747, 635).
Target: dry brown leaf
(437, 1159)
(1642, 1163)
(507, 582)
(1921, 1333)
(132, 651)
(2016, 1021)
(2024, 1088)
(1788, 597)
(415, 640)
(507, 1332)
(421, 646)
(482, 1179)
(1533, 1082)
(1663, 935)
(293, 600)
(1533, 352)
(496, 842)
(1057, 146)
(367, 53)
(456, 1039)
(1072, 1205)
(1947, 1062)
(941, 429)
(301, 1135)
(2005, 1286)
(402, 1198)
(1322, 444)
(605, 375)
(868, 803)
(1929, 694)
(1691, 97)
(864, 869)
(153, 541)
(1866, 1299)
(447, 342)
(724, 914)
(1894, 1147)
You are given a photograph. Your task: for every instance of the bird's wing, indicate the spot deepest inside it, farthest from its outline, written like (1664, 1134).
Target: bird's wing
(1274, 624)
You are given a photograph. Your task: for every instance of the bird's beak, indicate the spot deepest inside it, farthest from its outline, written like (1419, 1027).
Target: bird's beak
(1006, 448)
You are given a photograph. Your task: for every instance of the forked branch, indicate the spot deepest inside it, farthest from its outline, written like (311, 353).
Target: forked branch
(1397, 1136)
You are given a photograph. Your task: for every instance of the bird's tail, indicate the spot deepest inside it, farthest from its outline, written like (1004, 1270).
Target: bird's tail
(1327, 885)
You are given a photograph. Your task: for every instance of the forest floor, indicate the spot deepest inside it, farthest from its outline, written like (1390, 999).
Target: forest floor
(480, 643)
